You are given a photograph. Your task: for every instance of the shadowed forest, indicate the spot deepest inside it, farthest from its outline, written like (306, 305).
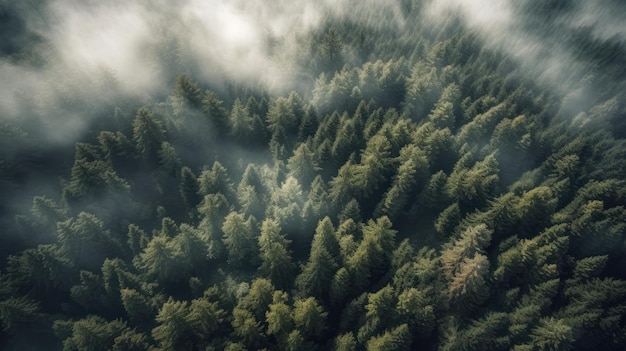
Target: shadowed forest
(285, 175)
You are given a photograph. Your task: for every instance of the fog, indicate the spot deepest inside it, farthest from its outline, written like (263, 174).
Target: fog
(544, 37)
(76, 57)
(71, 61)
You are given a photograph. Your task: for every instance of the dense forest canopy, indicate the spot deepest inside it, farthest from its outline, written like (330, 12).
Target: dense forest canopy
(330, 175)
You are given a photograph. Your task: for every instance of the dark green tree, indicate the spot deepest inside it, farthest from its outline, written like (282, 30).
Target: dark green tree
(148, 133)
(309, 316)
(239, 239)
(189, 188)
(302, 165)
(276, 261)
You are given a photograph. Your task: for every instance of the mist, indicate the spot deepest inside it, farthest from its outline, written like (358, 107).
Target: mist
(548, 38)
(72, 61)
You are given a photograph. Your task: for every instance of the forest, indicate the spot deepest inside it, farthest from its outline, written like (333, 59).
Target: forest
(275, 175)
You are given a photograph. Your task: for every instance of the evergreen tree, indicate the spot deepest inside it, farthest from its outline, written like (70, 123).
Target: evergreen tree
(380, 312)
(173, 329)
(213, 110)
(345, 342)
(240, 120)
(159, 259)
(279, 317)
(398, 338)
(302, 164)
(189, 188)
(309, 317)
(216, 181)
(239, 239)
(148, 133)
(276, 262)
(552, 334)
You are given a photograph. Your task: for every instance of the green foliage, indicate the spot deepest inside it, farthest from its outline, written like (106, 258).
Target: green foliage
(302, 165)
(189, 188)
(217, 180)
(398, 338)
(345, 342)
(380, 313)
(158, 259)
(552, 334)
(475, 183)
(240, 120)
(448, 219)
(239, 239)
(16, 310)
(276, 262)
(41, 269)
(148, 133)
(95, 333)
(173, 329)
(309, 316)
(279, 317)
(86, 241)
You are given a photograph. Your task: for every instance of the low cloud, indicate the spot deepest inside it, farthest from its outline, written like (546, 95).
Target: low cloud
(77, 58)
(544, 37)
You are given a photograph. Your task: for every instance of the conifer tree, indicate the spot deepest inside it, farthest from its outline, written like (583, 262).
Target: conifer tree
(302, 165)
(148, 133)
(279, 316)
(276, 261)
(189, 188)
(217, 180)
(240, 120)
(239, 239)
(309, 316)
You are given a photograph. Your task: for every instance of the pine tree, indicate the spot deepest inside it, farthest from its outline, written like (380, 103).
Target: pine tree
(86, 241)
(472, 241)
(258, 298)
(279, 316)
(173, 330)
(189, 188)
(309, 124)
(138, 307)
(418, 310)
(448, 219)
(552, 334)
(374, 167)
(469, 286)
(216, 181)
(214, 111)
(380, 312)
(213, 210)
(398, 338)
(17, 310)
(309, 316)
(276, 262)
(159, 259)
(148, 133)
(345, 142)
(302, 165)
(41, 269)
(95, 333)
(240, 120)
(239, 239)
(340, 287)
(345, 342)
